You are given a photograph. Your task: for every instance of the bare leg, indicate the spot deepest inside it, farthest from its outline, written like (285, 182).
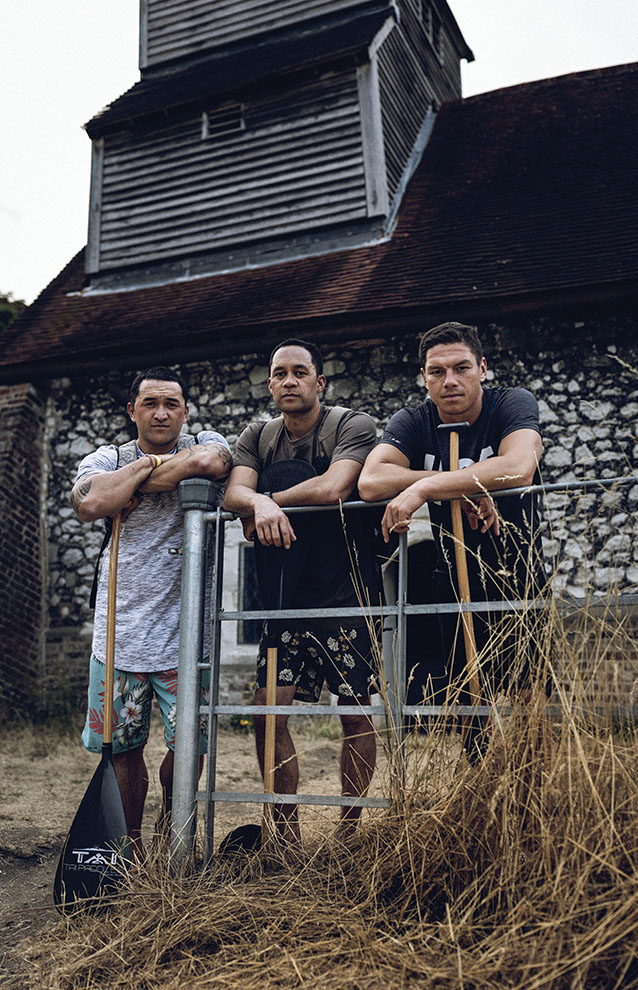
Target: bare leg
(358, 758)
(286, 765)
(166, 780)
(132, 778)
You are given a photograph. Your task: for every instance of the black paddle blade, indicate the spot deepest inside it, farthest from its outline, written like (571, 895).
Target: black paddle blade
(96, 852)
(243, 839)
(278, 476)
(277, 590)
(278, 570)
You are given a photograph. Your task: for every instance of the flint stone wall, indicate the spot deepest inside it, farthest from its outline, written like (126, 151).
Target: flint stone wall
(584, 374)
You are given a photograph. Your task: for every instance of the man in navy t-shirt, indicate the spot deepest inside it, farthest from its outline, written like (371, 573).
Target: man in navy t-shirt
(501, 449)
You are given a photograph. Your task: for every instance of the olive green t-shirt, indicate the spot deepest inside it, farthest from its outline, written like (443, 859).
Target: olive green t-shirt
(356, 436)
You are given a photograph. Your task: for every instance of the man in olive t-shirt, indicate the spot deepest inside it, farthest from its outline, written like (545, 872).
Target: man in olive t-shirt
(332, 649)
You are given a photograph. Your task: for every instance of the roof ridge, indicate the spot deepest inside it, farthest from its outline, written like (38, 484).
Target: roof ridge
(585, 74)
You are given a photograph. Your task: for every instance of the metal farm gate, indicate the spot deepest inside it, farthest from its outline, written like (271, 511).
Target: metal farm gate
(198, 498)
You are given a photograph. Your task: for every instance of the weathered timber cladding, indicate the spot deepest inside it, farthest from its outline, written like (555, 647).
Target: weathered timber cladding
(418, 18)
(406, 96)
(413, 77)
(443, 68)
(177, 28)
(298, 163)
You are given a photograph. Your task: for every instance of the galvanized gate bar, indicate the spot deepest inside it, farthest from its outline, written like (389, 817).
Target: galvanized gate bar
(560, 486)
(345, 710)
(197, 496)
(215, 667)
(439, 608)
(334, 800)
(293, 710)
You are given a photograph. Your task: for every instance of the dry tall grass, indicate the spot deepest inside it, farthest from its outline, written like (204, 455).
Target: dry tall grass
(518, 872)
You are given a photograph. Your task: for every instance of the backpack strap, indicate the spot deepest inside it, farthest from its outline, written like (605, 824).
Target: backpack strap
(268, 438)
(329, 429)
(127, 454)
(326, 436)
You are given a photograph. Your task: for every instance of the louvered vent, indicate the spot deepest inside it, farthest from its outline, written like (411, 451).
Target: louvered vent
(220, 122)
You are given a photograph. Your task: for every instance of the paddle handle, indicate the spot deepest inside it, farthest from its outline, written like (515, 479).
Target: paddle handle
(471, 655)
(267, 825)
(107, 737)
(269, 742)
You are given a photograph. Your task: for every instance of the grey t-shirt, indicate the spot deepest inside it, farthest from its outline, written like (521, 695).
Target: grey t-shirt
(148, 576)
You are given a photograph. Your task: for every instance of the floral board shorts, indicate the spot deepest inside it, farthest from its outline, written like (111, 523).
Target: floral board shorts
(322, 651)
(132, 701)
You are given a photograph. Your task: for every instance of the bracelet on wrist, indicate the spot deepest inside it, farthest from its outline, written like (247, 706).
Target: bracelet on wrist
(156, 459)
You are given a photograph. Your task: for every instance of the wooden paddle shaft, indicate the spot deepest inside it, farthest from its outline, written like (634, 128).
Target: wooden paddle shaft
(471, 656)
(110, 632)
(269, 741)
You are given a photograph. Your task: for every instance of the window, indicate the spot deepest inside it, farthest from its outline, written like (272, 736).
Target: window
(223, 121)
(248, 630)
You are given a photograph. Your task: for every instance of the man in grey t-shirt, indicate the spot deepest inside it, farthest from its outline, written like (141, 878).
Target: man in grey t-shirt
(143, 487)
(309, 651)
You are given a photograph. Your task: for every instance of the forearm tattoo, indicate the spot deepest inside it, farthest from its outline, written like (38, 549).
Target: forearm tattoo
(79, 493)
(224, 456)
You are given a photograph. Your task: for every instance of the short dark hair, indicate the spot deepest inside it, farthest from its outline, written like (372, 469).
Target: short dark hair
(160, 374)
(450, 333)
(313, 351)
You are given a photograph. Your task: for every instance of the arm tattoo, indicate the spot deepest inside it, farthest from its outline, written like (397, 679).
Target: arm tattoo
(224, 456)
(79, 493)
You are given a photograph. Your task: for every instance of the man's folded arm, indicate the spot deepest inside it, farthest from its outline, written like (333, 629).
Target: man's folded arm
(95, 496)
(203, 460)
(387, 472)
(333, 486)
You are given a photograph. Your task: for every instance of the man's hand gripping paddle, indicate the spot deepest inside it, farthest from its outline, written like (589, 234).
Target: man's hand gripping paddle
(471, 656)
(96, 852)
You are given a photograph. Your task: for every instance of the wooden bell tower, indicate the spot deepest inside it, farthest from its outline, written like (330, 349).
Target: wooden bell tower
(262, 131)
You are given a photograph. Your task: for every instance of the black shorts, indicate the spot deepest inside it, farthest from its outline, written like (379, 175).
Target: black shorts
(339, 653)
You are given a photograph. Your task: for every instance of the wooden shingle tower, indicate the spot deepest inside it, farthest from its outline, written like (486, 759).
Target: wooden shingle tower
(262, 131)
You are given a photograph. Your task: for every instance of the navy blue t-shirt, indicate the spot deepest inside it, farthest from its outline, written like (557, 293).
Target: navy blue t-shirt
(499, 567)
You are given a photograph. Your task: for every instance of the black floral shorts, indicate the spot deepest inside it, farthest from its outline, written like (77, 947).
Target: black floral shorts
(342, 656)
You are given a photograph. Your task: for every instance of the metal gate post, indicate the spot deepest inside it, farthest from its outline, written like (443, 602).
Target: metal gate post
(197, 496)
(215, 658)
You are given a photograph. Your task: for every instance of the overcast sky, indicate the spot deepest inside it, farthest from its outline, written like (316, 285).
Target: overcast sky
(62, 62)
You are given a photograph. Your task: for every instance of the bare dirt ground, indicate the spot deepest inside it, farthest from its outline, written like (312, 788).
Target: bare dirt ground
(43, 777)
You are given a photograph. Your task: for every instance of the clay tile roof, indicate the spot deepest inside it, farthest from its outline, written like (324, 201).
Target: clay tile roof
(526, 196)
